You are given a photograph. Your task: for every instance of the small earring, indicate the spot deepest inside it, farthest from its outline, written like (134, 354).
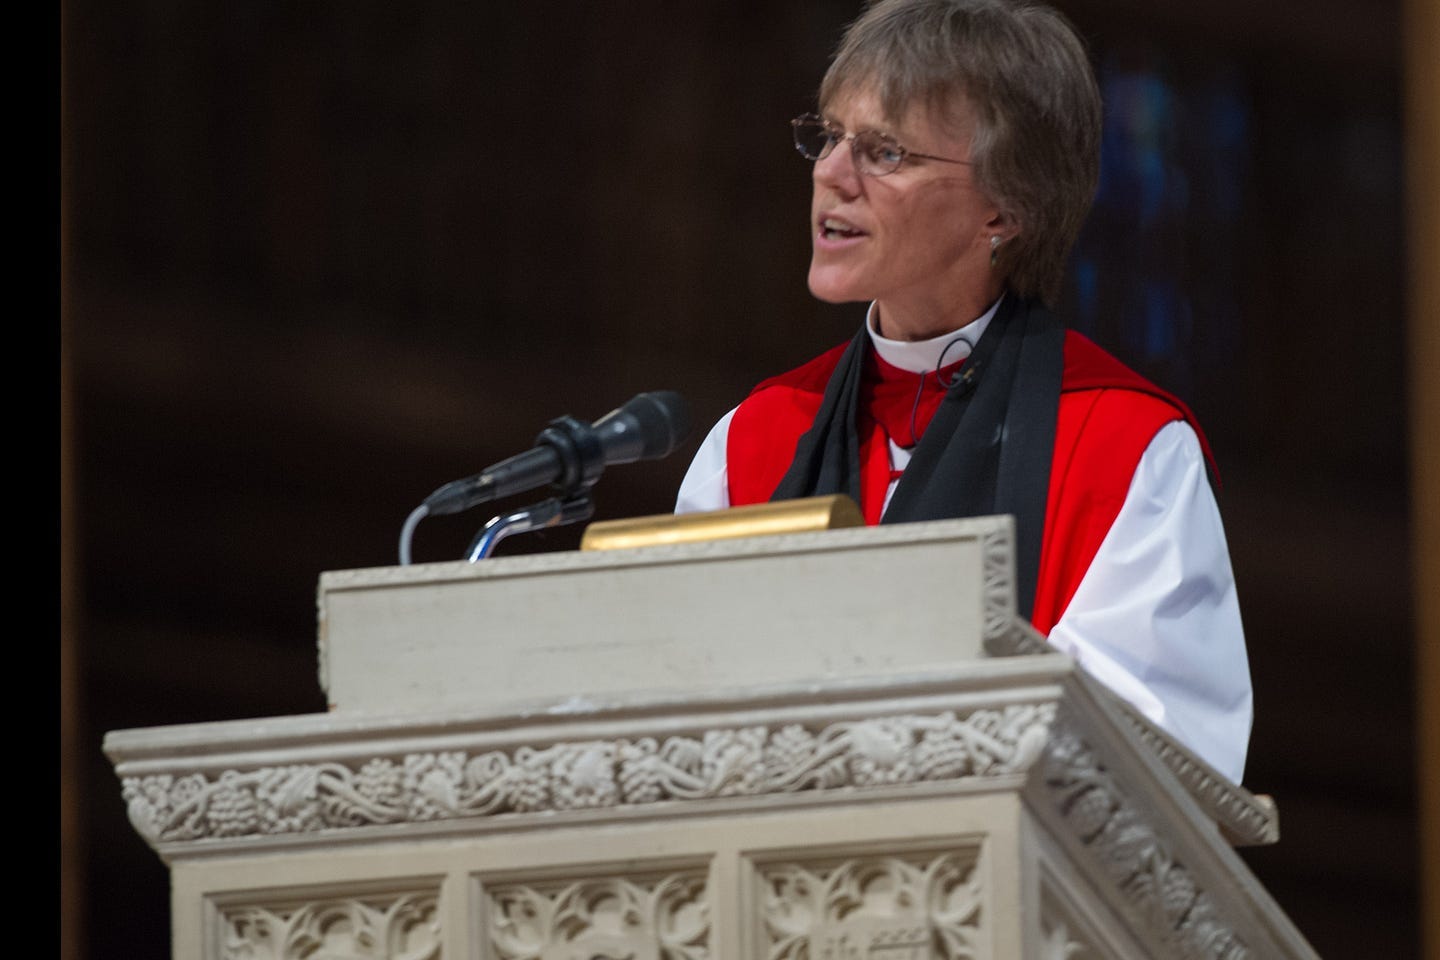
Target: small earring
(994, 250)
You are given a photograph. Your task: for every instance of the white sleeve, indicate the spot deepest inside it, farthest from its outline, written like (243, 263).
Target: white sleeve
(706, 485)
(1156, 618)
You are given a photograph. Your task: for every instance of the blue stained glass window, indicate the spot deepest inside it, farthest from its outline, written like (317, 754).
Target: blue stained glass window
(1153, 276)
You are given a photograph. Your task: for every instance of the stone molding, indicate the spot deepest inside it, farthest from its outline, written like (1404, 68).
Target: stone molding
(997, 558)
(1159, 889)
(1246, 819)
(1029, 738)
(286, 778)
(746, 761)
(996, 537)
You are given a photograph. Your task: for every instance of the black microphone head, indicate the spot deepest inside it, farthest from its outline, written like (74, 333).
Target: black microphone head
(664, 419)
(649, 426)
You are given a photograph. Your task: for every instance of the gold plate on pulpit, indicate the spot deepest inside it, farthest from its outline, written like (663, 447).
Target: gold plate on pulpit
(762, 519)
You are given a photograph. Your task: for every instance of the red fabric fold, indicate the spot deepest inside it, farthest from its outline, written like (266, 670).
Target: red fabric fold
(1108, 415)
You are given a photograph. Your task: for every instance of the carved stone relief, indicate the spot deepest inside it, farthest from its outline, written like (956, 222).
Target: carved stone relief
(1248, 819)
(1131, 854)
(742, 761)
(397, 927)
(876, 907)
(997, 557)
(1062, 936)
(1058, 943)
(612, 918)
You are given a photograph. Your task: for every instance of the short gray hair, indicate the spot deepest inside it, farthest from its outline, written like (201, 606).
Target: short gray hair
(1025, 71)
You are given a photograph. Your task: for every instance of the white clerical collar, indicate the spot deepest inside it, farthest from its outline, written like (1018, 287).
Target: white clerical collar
(922, 356)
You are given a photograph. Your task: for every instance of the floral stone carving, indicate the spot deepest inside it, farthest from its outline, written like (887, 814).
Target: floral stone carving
(568, 776)
(881, 907)
(1134, 857)
(403, 927)
(663, 919)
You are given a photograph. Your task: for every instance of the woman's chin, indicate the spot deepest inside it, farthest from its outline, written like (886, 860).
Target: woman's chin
(824, 285)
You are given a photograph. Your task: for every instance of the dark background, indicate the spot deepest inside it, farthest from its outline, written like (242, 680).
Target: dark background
(319, 257)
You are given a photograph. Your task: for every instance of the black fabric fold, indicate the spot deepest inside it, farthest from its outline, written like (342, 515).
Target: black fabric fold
(988, 449)
(827, 457)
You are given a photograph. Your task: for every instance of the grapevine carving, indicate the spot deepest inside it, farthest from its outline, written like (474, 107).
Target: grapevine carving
(1134, 857)
(442, 785)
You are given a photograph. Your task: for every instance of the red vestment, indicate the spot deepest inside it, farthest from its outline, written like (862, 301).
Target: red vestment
(1107, 416)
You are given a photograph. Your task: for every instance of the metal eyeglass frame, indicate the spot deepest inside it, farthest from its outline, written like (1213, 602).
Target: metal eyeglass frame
(864, 146)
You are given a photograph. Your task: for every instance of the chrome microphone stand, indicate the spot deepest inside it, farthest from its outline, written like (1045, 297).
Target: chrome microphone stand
(554, 512)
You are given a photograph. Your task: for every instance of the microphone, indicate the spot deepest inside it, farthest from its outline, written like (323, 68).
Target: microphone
(571, 454)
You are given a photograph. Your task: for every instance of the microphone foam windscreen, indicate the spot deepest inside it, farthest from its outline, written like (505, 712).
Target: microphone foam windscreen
(664, 420)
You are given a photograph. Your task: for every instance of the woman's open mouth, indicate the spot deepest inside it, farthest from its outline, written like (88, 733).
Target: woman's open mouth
(833, 228)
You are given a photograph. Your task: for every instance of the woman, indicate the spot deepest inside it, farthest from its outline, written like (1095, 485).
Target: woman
(956, 155)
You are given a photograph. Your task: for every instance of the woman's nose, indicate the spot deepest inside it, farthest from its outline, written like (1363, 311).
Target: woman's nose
(837, 169)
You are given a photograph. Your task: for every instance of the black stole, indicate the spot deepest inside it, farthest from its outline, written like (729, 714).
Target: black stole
(987, 451)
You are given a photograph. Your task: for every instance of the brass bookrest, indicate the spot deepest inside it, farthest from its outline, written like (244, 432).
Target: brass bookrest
(762, 519)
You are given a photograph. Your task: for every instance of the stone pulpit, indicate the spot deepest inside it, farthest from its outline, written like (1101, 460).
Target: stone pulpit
(840, 744)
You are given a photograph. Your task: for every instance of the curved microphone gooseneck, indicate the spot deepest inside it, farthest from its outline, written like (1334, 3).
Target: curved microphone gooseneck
(569, 455)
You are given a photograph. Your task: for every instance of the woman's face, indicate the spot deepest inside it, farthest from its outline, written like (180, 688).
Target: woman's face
(916, 240)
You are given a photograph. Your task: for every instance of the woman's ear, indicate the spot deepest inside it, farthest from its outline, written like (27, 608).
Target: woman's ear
(1003, 225)
(1001, 229)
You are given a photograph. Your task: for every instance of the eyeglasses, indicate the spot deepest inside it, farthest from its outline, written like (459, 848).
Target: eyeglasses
(876, 154)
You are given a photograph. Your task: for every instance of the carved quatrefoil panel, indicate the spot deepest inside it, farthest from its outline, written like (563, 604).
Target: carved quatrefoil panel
(665, 917)
(912, 908)
(399, 926)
